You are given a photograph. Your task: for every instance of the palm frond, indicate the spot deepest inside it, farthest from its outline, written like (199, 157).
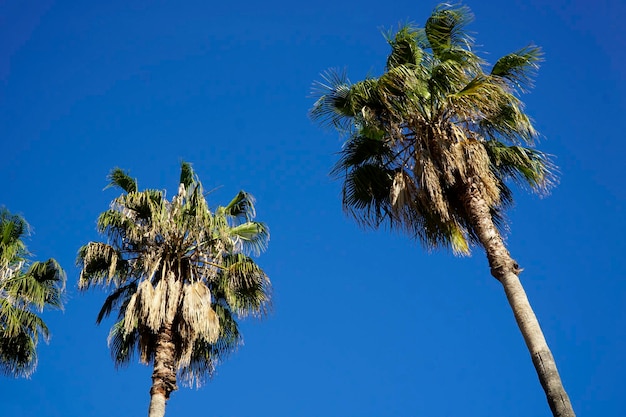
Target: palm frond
(405, 48)
(206, 356)
(244, 286)
(366, 194)
(252, 236)
(333, 106)
(121, 179)
(524, 166)
(242, 206)
(187, 175)
(13, 228)
(445, 28)
(120, 296)
(123, 345)
(101, 264)
(16, 319)
(519, 67)
(18, 354)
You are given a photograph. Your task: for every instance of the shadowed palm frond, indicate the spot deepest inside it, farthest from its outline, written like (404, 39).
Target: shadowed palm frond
(187, 175)
(405, 47)
(121, 179)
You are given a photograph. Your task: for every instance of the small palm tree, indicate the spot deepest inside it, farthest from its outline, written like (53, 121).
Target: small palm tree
(178, 276)
(430, 147)
(25, 290)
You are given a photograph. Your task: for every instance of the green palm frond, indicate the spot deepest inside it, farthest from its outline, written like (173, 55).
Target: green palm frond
(101, 264)
(123, 345)
(16, 319)
(508, 123)
(13, 228)
(242, 206)
(187, 175)
(519, 67)
(333, 102)
(118, 298)
(445, 28)
(405, 48)
(253, 236)
(366, 194)
(18, 354)
(244, 286)
(42, 285)
(524, 166)
(121, 179)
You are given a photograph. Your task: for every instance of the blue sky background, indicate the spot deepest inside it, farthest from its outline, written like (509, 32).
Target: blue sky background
(364, 323)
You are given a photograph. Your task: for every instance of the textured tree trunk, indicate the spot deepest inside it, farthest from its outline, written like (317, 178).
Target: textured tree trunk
(164, 373)
(506, 270)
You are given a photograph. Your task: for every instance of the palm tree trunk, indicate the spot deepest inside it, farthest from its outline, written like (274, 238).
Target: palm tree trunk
(506, 270)
(164, 373)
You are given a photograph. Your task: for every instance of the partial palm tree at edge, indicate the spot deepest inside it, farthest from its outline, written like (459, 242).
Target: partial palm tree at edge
(431, 145)
(26, 289)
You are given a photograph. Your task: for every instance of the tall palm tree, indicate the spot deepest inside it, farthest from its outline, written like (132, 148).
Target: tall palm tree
(26, 288)
(179, 276)
(430, 147)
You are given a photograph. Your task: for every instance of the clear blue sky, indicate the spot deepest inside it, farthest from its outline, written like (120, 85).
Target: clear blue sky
(364, 323)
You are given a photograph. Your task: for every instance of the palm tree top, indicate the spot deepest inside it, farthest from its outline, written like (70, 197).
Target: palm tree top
(436, 120)
(178, 265)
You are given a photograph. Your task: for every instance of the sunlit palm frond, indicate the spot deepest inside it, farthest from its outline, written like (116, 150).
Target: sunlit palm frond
(242, 206)
(519, 67)
(16, 319)
(445, 28)
(41, 285)
(252, 236)
(13, 228)
(525, 166)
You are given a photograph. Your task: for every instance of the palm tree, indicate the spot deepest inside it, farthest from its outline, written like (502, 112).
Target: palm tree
(430, 147)
(179, 276)
(26, 288)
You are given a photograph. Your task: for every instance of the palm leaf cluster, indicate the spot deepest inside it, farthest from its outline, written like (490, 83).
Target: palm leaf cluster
(436, 122)
(177, 266)
(26, 288)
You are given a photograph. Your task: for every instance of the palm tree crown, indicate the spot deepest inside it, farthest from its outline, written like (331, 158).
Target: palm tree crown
(179, 275)
(26, 288)
(435, 121)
